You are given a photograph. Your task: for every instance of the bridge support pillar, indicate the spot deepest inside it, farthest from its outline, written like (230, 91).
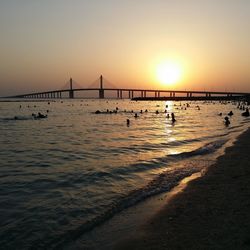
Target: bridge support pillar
(118, 94)
(71, 94)
(101, 93)
(71, 91)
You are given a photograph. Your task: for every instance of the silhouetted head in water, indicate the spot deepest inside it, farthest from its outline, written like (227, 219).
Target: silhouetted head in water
(230, 113)
(157, 112)
(136, 115)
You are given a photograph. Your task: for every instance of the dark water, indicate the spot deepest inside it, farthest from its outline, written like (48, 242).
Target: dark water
(62, 176)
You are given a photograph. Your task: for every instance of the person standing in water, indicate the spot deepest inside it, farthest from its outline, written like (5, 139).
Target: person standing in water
(227, 122)
(173, 117)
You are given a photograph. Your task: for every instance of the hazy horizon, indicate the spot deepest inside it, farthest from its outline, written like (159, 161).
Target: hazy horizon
(44, 43)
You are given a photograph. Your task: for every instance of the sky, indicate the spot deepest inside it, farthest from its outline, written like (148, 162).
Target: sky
(44, 43)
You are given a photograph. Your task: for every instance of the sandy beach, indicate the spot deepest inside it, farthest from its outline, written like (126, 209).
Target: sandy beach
(212, 212)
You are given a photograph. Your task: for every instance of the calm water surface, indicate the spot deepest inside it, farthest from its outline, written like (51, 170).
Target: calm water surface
(63, 176)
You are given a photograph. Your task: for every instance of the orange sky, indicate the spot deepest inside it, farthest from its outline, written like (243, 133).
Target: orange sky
(43, 43)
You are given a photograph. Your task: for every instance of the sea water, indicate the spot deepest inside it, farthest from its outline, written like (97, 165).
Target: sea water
(65, 175)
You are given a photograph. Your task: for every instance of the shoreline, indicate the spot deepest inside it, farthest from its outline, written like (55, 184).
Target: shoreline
(212, 212)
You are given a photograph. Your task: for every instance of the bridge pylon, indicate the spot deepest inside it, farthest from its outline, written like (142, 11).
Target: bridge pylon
(71, 91)
(101, 90)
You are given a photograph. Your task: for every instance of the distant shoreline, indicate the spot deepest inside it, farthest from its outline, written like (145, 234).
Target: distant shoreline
(184, 98)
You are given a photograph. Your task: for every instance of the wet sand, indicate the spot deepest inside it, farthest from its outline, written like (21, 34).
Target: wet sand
(212, 212)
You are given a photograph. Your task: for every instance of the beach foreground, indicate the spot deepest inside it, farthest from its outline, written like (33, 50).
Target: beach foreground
(212, 212)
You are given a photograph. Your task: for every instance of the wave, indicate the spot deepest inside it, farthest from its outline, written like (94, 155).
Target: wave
(140, 148)
(164, 182)
(17, 118)
(208, 148)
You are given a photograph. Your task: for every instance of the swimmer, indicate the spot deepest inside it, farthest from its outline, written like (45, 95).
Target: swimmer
(246, 113)
(41, 115)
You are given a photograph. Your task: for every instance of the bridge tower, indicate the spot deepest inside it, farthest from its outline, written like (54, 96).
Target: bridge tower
(101, 90)
(71, 91)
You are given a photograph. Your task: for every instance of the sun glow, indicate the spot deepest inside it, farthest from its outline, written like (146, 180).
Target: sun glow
(168, 73)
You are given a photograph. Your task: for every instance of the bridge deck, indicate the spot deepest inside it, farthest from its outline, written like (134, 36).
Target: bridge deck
(143, 93)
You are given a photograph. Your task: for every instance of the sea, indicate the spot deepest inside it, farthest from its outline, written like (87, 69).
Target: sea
(64, 177)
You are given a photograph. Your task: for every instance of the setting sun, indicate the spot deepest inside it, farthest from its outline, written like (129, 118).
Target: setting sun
(168, 73)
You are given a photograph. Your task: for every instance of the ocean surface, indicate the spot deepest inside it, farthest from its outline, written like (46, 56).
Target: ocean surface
(67, 174)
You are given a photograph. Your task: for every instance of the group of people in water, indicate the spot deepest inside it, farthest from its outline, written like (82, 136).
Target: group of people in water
(136, 114)
(241, 107)
(39, 115)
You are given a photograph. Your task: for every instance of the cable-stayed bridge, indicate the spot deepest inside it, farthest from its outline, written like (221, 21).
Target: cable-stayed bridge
(102, 85)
